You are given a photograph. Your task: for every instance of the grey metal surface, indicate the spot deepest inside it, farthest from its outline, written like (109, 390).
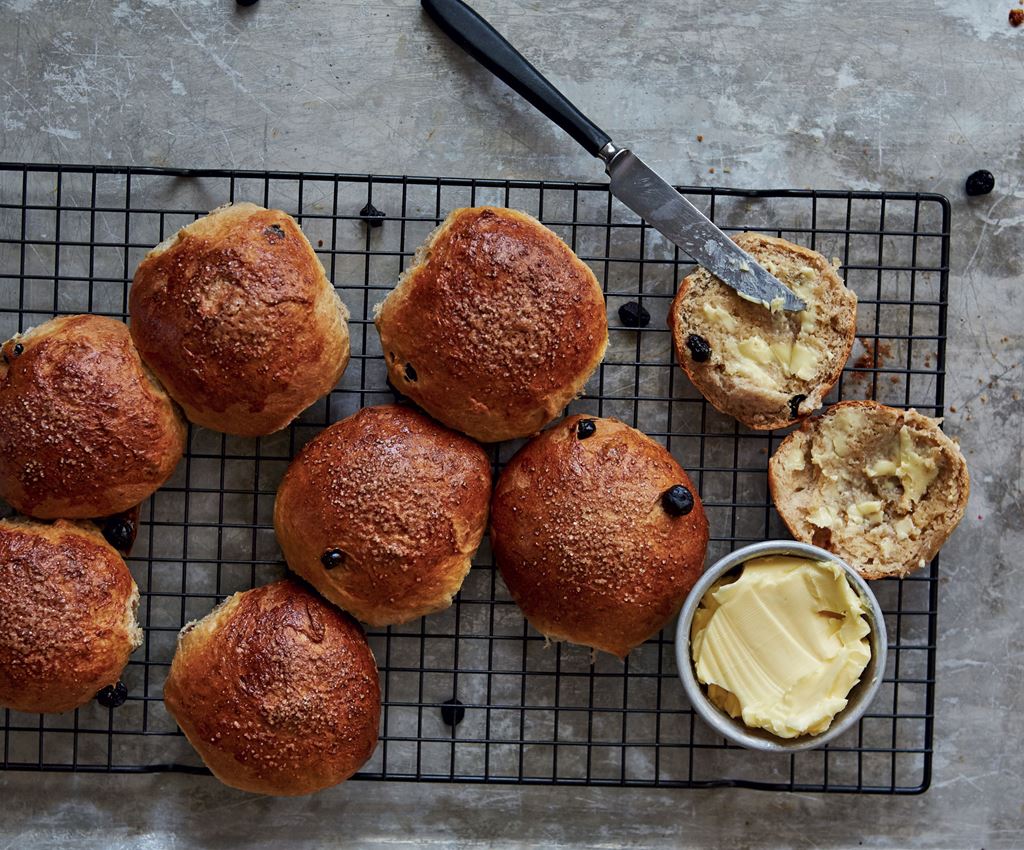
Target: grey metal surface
(875, 94)
(646, 193)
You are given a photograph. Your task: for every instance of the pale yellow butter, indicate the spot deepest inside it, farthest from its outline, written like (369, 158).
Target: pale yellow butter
(915, 472)
(782, 645)
(719, 316)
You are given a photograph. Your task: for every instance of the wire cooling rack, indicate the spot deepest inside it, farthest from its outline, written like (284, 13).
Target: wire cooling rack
(70, 239)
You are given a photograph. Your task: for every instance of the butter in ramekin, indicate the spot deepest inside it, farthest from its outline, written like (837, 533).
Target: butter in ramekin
(781, 645)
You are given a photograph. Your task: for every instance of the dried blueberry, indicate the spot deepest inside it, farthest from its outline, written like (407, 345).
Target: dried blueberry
(18, 349)
(980, 183)
(112, 696)
(410, 373)
(699, 348)
(120, 532)
(794, 405)
(332, 558)
(274, 232)
(372, 216)
(633, 315)
(247, 2)
(452, 711)
(586, 428)
(677, 500)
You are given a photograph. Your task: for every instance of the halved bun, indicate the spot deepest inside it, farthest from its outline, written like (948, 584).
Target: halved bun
(882, 488)
(765, 367)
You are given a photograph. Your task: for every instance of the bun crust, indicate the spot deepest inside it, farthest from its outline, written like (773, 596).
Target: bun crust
(403, 498)
(67, 615)
(583, 540)
(237, 318)
(767, 369)
(277, 691)
(86, 431)
(495, 327)
(883, 488)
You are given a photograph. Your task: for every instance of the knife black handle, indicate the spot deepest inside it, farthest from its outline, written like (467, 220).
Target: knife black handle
(485, 44)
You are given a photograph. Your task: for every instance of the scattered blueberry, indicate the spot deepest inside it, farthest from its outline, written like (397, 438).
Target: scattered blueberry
(112, 696)
(410, 373)
(452, 712)
(120, 532)
(633, 315)
(372, 216)
(980, 183)
(332, 558)
(586, 428)
(247, 2)
(699, 348)
(794, 405)
(677, 500)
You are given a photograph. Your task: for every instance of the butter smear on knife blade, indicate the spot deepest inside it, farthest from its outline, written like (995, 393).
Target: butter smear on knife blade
(782, 645)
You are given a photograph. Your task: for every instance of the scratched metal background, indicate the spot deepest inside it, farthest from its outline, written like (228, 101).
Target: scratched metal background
(873, 94)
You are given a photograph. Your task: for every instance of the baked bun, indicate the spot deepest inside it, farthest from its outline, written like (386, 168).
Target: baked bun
(598, 533)
(495, 327)
(67, 615)
(86, 430)
(382, 513)
(882, 488)
(236, 316)
(767, 368)
(277, 691)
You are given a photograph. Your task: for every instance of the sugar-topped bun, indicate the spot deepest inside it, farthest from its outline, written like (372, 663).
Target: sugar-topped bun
(236, 316)
(598, 532)
(67, 615)
(382, 512)
(85, 429)
(277, 691)
(495, 327)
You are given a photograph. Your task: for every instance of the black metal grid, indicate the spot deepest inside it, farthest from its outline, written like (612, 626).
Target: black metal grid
(70, 238)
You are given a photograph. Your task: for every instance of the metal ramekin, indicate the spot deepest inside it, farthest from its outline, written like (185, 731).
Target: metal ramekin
(734, 728)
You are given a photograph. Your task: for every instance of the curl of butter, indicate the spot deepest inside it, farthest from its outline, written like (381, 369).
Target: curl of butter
(783, 645)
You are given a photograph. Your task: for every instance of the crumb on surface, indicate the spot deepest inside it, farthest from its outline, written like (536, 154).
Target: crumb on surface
(700, 138)
(1016, 17)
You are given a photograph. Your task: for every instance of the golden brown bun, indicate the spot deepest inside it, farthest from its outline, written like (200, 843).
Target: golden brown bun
(583, 540)
(495, 327)
(277, 691)
(403, 501)
(67, 615)
(86, 430)
(237, 318)
(848, 457)
(767, 369)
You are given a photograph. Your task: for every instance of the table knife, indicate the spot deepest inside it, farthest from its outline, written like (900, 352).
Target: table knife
(632, 181)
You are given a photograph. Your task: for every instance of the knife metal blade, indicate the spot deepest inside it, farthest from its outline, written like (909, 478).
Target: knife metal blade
(654, 199)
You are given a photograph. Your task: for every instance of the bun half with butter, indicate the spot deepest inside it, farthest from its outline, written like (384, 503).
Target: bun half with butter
(85, 428)
(598, 533)
(882, 488)
(382, 513)
(765, 367)
(495, 327)
(67, 615)
(237, 318)
(277, 690)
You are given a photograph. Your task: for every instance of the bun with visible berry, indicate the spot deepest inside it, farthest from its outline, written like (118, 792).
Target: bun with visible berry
(598, 533)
